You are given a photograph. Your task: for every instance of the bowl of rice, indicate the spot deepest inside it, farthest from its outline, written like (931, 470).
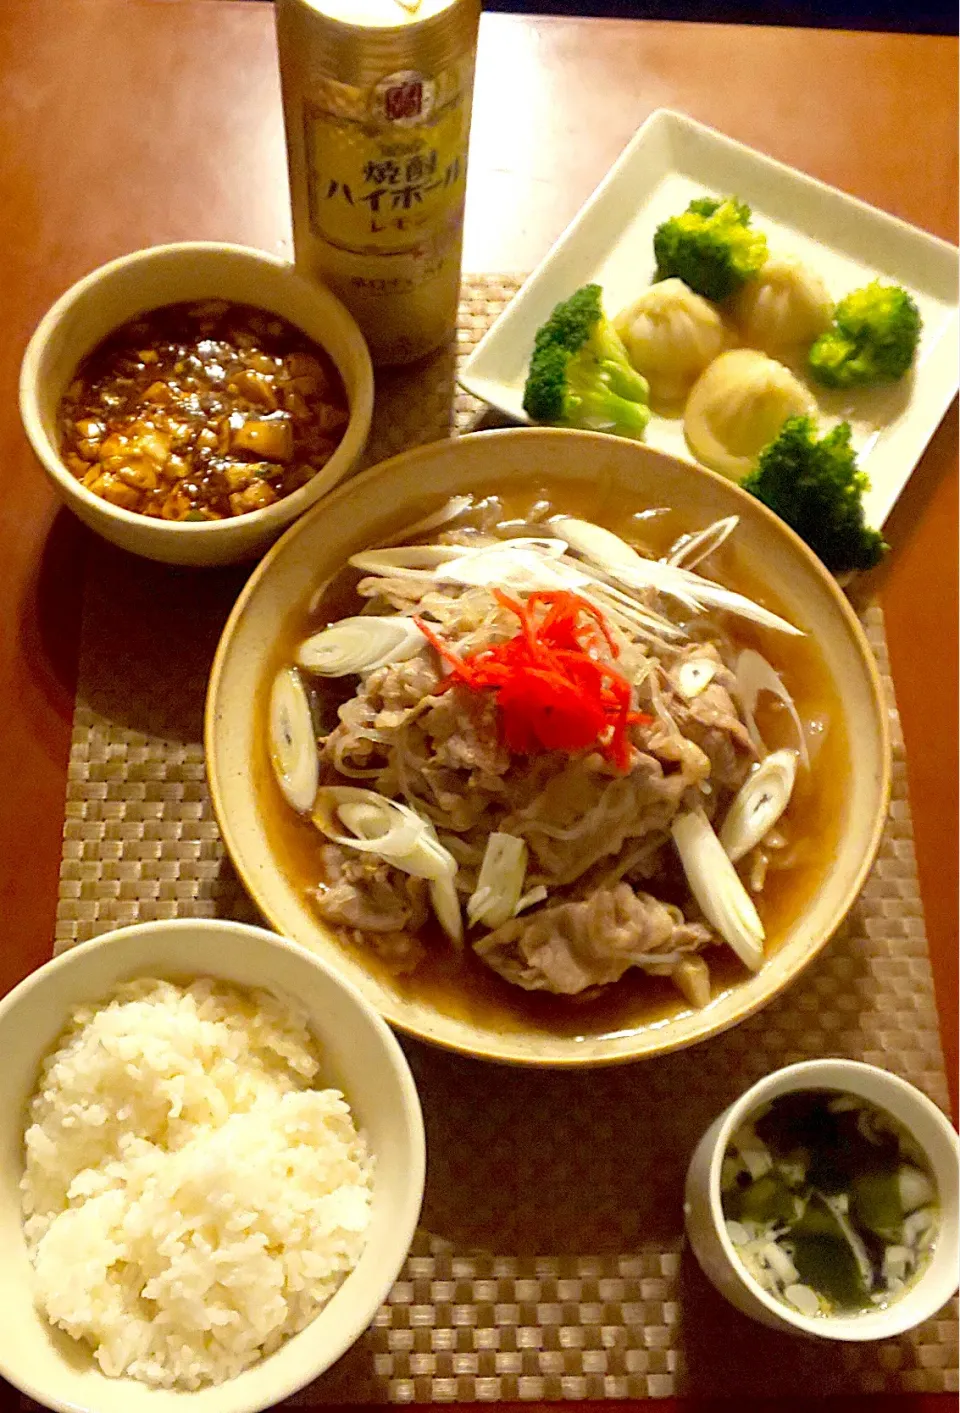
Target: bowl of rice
(211, 1168)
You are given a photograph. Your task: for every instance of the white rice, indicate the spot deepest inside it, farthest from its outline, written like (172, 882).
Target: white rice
(189, 1200)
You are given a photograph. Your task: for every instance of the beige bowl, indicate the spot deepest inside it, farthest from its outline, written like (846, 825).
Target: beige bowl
(361, 1057)
(397, 492)
(169, 274)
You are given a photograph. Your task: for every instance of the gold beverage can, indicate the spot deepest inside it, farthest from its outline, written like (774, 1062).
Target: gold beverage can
(377, 97)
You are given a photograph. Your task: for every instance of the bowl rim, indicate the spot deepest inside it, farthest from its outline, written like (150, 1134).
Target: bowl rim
(413, 1124)
(824, 1073)
(363, 484)
(267, 517)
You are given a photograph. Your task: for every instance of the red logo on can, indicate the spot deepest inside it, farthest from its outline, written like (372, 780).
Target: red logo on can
(403, 102)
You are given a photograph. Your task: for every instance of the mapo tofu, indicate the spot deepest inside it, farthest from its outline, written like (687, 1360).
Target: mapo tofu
(202, 411)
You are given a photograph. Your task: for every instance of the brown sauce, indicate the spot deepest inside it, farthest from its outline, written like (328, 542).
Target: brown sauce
(462, 986)
(202, 411)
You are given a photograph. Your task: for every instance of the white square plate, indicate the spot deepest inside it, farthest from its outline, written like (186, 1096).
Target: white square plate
(673, 159)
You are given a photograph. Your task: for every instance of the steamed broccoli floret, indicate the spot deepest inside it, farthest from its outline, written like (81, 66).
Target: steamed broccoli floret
(580, 375)
(816, 488)
(873, 339)
(711, 247)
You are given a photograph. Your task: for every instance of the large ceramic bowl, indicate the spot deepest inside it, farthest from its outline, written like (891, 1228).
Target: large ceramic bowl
(361, 1057)
(603, 469)
(170, 274)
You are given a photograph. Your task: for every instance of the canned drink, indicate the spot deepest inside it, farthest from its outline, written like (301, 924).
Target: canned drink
(377, 97)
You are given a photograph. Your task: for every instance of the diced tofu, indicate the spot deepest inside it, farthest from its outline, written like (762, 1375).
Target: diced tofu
(111, 489)
(158, 392)
(176, 468)
(271, 440)
(78, 466)
(255, 388)
(176, 505)
(255, 497)
(263, 362)
(239, 474)
(113, 446)
(138, 472)
(149, 444)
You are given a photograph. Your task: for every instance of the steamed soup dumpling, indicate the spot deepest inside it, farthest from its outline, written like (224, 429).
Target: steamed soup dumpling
(737, 406)
(671, 334)
(786, 306)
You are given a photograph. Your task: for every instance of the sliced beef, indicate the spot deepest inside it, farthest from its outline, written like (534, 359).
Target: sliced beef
(568, 947)
(586, 813)
(359, 890)
(708, 722)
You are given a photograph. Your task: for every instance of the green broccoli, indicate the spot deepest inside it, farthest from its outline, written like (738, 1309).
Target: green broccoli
(816, 487)
(711, 247)
(580, 375)
(873, 339)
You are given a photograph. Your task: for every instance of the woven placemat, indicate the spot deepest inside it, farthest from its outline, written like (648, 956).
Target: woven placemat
(550, 1262)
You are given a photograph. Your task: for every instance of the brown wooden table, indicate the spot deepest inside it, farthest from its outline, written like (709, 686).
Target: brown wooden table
(125, 123)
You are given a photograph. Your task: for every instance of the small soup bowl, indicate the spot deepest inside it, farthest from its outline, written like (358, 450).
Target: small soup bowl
(170, 274)
(706, 1226)
(359, 1056)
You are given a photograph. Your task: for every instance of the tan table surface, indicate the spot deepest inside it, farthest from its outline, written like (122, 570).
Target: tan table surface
(125, 123)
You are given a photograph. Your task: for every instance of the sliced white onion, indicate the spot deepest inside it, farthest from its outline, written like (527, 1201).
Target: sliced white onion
(529, 899)
(853, 1238)
(689, 550)
(758, 804)
(715, 884)
(755, 675)
(293, 743)
(446, 905)
(360, 644)
(500, 881)
(804, 1299)
(915, 1188)
(919, 1227)
(454, 507)
(520, 564)
(594, 542)
(779, 1262)
(696, 674)
(621, 562)
(754, 1153)
(384, 827)
(897, 1260)
(714, 595)
(418, 562)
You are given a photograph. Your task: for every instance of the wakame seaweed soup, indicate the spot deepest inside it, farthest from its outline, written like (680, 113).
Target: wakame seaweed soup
(829, 1201)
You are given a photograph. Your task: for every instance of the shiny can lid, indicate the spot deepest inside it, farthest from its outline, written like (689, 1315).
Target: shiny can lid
(359, 41)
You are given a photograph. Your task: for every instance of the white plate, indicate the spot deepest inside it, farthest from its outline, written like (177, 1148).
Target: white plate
(669, 161)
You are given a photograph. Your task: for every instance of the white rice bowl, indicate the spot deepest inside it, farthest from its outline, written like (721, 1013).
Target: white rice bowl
(360, 1059)
(189, 1201)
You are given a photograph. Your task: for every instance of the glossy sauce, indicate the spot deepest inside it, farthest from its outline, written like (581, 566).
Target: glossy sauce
(202, 411)
(462, 986)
